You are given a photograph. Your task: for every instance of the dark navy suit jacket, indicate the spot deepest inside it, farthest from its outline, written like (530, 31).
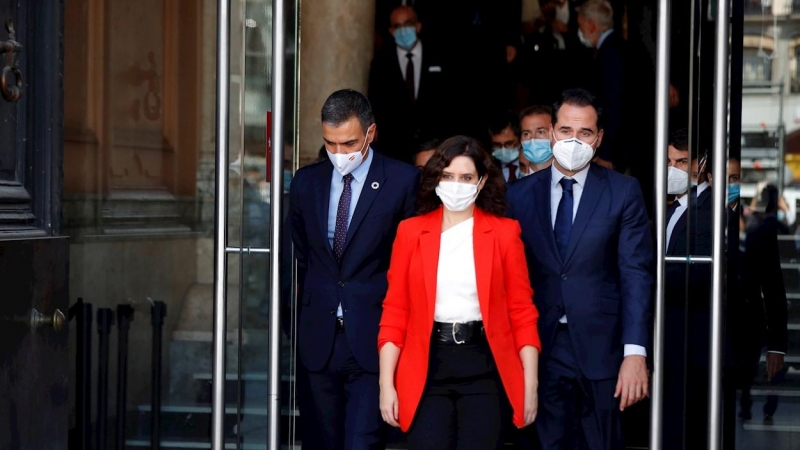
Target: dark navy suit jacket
(604, 285)
(359, 281)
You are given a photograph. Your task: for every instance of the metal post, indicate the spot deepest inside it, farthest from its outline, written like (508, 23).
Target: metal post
(276, 200)
(662, 125)
(124, 318)
(158, 312)
(719, 159)
(105, 320)
(83, 390)
(221, 224)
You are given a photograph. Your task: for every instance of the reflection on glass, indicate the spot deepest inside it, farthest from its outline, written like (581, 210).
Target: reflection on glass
(764, 309)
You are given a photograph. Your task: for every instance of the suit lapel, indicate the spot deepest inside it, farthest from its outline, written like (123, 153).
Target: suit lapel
(595, 185)
(429, 242)
(322, 197)
(483, 252)
(542, 204)
(372, 187)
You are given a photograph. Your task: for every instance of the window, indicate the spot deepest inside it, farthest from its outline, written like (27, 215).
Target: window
(757, 66)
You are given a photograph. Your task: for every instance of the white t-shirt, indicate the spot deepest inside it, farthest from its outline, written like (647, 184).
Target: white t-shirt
(456, 285)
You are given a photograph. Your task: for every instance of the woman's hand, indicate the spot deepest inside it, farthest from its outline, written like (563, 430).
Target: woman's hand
(389, 405)
(531, 404)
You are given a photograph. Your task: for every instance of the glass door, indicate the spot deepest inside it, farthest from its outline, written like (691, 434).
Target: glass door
(252, 374)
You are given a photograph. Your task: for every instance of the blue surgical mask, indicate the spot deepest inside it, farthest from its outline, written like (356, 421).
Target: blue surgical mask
(537, 151)
(733, 192)
(781, 215)
(506, 155)
(405, 37)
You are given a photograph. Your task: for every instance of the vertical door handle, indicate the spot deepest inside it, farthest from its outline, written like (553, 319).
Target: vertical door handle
(11, 92)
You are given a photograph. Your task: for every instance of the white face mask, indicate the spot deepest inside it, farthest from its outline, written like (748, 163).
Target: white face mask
(348, 162)
(573, 154)
(457, 196)
(677, 181)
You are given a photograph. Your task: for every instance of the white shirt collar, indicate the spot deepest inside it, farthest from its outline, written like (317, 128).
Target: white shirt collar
(416, 51)
(603, 36)
(579, 177)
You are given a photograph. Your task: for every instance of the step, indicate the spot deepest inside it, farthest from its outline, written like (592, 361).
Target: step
(194, 444)
(206, 409)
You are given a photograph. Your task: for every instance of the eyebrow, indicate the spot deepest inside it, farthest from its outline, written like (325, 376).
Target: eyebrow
(350, 142)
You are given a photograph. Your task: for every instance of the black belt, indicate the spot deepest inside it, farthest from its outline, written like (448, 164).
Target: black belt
(459, 333)
(339, 324)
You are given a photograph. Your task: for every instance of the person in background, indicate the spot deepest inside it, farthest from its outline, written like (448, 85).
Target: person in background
(686, 305)
(536, 127)
(762, 299)
(505, 140)
(343, 216)
(458, 337)
(424, 152)
(407, 86)
(606, 76)
(589, 251)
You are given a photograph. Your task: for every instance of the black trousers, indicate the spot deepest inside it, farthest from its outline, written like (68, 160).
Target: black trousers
(463, 406)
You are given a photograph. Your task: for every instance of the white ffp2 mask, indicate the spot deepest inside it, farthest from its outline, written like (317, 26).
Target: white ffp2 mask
(573, 154)
(348, 162)
(677, 181)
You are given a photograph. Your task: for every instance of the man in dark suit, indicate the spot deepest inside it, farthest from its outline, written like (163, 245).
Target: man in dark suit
(408, 89)
(607, 76)
(686, 302)
(343, 217)
(589, 252)
(763, 299)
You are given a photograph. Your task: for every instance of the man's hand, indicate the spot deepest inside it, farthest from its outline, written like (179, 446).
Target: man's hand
(602, 162)
(632, 384)
(774, 364)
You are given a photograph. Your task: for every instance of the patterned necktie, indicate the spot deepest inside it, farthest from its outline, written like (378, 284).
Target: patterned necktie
(512, 171)
(563, 225)
(342, 214)
(410, 76)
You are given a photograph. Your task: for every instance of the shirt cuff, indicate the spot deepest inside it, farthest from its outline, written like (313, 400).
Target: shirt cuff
(775, 351)
(633, 349)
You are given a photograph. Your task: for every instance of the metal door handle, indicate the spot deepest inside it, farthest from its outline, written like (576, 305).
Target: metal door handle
(11, 92)
(39, 320)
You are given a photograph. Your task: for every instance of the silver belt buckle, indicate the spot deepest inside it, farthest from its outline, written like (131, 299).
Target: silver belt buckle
(453, 332)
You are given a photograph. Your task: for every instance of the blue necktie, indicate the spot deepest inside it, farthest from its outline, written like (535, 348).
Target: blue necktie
(342, 213)
(563, 225)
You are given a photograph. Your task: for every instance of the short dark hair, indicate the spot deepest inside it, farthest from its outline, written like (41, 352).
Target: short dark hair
(536, 110)
(579, 97)
(680, 139)
(345, 104)
(490, 199)
(429, 144)
(500, 122)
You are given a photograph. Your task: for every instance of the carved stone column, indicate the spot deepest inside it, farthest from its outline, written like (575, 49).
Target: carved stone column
(335, 53)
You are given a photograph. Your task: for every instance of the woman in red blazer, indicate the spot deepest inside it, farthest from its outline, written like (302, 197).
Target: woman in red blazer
(458, 338)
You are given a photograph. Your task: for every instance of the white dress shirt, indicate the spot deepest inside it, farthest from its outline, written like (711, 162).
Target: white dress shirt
(416, 58)
(577, 191)
(337, 188)
(456, 283)
(682, 206)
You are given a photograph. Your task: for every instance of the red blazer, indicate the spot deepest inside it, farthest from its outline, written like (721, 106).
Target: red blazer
(504, 293)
